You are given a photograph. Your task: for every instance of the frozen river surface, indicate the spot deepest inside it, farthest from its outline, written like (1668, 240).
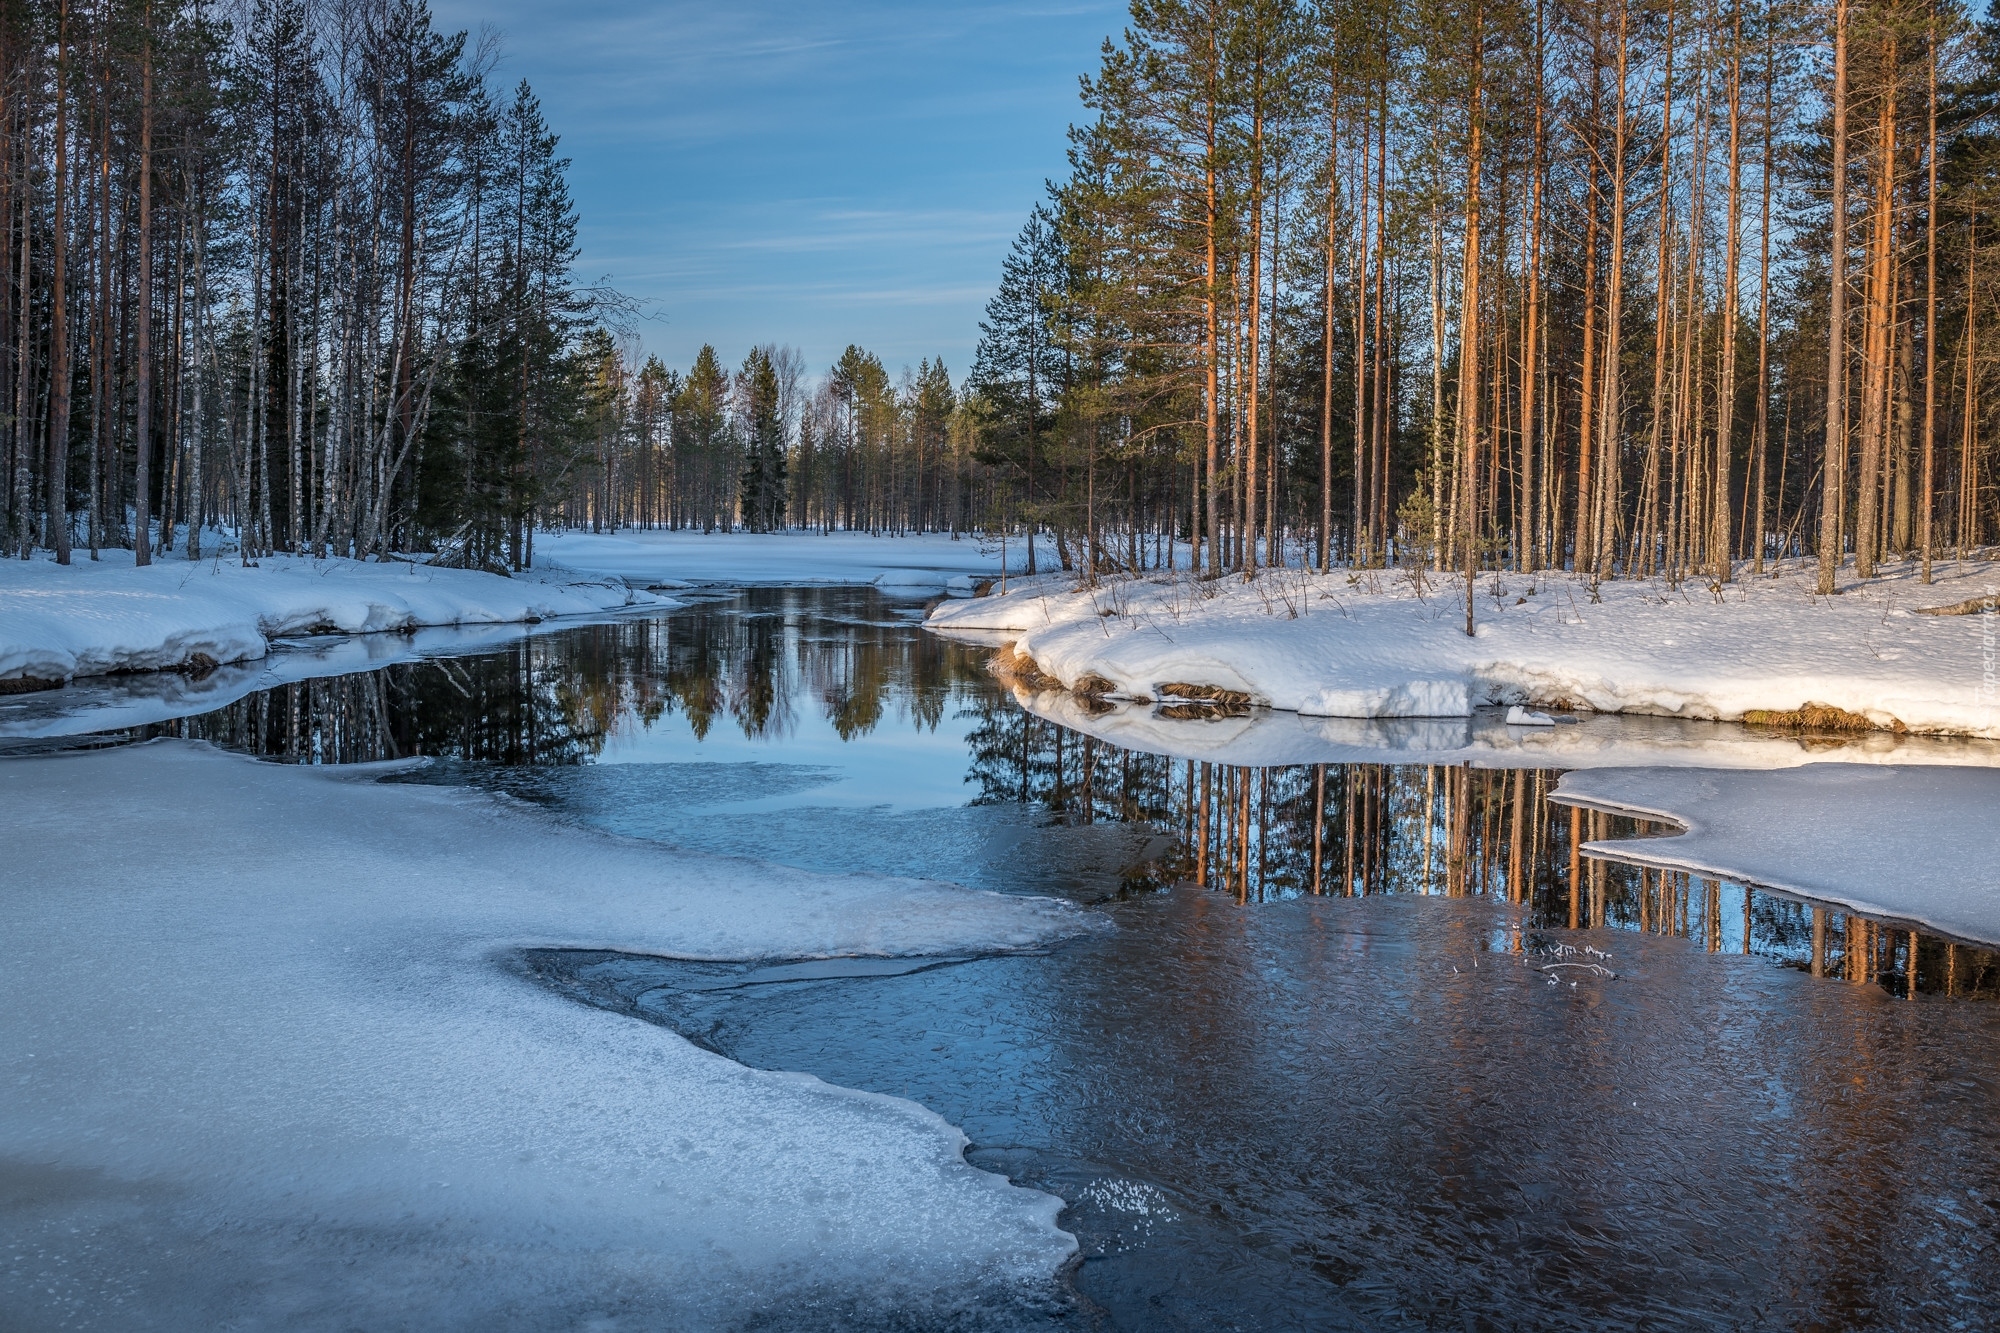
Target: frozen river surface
(1461, 1085)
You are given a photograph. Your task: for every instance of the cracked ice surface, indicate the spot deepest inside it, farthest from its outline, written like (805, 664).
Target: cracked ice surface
(266, 1062)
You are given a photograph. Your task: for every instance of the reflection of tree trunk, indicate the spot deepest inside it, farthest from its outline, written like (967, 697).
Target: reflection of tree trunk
(1319, 826)
(1201, 856)
(1514, 894)
(1347, 838)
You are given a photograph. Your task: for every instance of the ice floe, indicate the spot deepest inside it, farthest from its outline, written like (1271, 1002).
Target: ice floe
(1917, 843)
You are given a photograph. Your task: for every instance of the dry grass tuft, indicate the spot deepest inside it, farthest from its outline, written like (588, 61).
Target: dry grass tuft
(1817, 717)
(1021, 671)
(29, 684)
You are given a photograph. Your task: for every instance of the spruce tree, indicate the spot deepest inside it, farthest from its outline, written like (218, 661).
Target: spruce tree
(763, 491)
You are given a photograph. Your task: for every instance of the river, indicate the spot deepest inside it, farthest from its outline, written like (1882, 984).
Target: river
(1354, 1055)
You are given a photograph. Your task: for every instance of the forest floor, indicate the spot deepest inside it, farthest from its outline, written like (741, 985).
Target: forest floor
(1762, 649)
(94, 617)
(306, 1052)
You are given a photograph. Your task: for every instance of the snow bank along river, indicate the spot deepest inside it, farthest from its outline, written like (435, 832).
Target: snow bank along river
(1368, 646)
(1372, 1041)
(290, 1078)
(94, 617)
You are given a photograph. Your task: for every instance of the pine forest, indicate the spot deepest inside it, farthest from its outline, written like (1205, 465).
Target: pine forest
(1647, 288)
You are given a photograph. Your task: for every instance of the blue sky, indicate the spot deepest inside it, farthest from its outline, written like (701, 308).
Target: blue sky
(813, 174)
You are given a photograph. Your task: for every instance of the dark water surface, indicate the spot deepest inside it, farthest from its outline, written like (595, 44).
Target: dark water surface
(1462, 1085)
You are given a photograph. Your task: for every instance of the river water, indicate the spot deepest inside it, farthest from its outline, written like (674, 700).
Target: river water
(1354, 1055)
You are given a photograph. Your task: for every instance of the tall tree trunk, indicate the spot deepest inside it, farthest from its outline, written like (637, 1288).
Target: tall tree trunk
(1380, 395)
(1326, 359)
(1764, 302)
(1649, 520)
(1925, 503)
(1468, 330)
(1212, 348)
(1876, 351)
(1253, 346)
(1610, 415)
(142, 527)
(1722, 562)
(1832, 472)
(1587, 387)
(59, 375)
(23, 426)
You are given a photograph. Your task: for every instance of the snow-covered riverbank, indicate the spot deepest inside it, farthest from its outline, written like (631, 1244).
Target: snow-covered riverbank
(94, 617)
(268, 1065)
(1366, 645)
(927, 562)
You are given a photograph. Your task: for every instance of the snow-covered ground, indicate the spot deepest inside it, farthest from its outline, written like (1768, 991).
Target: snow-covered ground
(921, 563)
(1365, 645)
(1919, 844)
(267, 1065)
(1267, 738)
(93, 617)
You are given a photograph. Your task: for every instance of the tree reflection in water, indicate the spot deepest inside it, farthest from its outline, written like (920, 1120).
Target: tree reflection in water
(1457, 831)
(557, 698)
(759, 659)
